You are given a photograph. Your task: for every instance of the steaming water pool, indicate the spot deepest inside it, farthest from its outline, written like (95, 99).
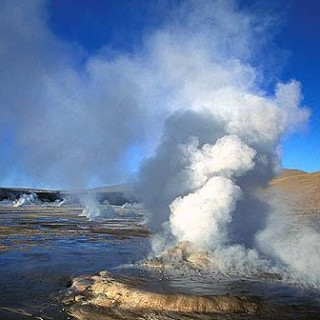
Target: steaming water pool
(42, 249)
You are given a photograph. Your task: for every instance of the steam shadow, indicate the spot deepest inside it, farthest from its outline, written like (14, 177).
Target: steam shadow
(249, 218)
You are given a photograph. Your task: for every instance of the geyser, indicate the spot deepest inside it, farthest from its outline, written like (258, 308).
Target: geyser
(204, 187)
(220, 148)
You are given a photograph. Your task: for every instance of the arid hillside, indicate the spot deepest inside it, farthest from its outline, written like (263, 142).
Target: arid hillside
(300, 189)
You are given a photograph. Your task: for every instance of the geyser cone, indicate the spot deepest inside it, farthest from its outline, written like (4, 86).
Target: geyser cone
(182, 255)
(228, 263)
(109, 294)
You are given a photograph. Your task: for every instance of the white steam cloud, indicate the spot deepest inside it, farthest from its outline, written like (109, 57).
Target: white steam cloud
(220, 148)
(92, 208)
(201, 216)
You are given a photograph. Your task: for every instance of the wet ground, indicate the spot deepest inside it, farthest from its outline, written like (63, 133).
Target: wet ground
(43, 249)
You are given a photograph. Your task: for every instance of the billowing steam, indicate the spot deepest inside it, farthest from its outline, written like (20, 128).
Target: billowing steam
(92, 209)
(204, 188)
(219, 151)
(211, 171)
(25, 199)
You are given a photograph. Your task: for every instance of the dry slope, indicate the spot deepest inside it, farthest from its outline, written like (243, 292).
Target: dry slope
(300, 189)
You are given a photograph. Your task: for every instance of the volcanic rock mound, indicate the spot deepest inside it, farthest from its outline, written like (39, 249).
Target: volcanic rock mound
(181, 255)
(108, 293)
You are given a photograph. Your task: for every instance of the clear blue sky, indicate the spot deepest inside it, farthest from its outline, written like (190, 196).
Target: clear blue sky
(121, 25)
(300, 36)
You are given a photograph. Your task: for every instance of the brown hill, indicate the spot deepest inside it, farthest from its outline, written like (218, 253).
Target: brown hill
(300, 189)
(290, 172)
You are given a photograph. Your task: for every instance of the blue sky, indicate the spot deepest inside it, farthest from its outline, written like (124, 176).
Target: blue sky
(122, 24)
(300, 36)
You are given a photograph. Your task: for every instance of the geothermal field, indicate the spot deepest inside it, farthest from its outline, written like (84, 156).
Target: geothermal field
(58, 262)
(143, 147)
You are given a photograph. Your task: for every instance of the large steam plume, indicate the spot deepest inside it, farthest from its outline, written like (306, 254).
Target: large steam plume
(220, 148)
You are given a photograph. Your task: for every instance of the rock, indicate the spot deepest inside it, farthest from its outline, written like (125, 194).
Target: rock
(182, 256)
(82, 284)
(108, 293)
